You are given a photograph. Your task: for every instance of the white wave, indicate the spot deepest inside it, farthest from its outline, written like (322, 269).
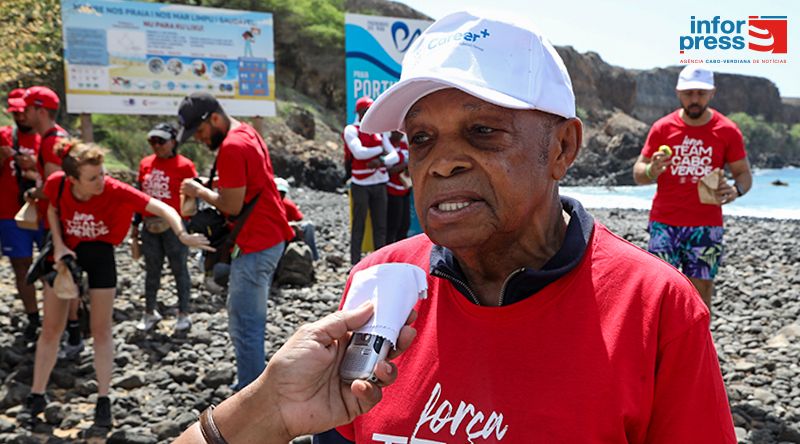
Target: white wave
(761, 37)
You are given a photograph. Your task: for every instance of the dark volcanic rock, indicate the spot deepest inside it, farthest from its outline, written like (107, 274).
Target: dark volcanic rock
(655, 95)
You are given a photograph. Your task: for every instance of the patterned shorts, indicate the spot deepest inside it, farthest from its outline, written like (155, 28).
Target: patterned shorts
(696, 251)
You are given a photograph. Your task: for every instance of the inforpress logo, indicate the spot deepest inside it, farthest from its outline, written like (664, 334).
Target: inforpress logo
(768, 33)
(757, 33)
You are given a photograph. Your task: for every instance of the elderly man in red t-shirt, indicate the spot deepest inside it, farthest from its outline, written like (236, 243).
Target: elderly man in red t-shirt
(682, 148)
(245, 174)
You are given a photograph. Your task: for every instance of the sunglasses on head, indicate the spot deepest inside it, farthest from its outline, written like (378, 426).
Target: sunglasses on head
(156, 141)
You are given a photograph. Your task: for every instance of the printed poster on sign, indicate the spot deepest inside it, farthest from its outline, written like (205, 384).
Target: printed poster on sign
(142, 58)
(374, 50)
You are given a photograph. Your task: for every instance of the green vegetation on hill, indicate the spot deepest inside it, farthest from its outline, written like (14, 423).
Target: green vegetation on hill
(769, 143)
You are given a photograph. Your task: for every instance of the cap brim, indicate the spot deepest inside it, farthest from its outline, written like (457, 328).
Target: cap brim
(159, 133)
(390, 109)
(185, 133)
(15, 105)
(694, 84)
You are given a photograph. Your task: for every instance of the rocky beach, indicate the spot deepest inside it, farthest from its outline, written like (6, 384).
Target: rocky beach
(162, 381)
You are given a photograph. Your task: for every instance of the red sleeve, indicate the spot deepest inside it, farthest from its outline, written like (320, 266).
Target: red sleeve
(6, 139)
(232, 166)
(189, 170)
(735, 149)
(51, 185)
(48, 151)
(690, 403)
(128, 195)
(140, 177)
(652, 143)
(293, 213)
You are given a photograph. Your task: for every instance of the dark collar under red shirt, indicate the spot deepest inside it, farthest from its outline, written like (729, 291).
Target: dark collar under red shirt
(525, 282)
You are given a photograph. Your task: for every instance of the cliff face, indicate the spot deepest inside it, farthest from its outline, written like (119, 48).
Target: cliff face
(597, 85)
(655, 95)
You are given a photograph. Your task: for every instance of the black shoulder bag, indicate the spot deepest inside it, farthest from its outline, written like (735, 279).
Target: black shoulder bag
(214, 225)
(39, 267)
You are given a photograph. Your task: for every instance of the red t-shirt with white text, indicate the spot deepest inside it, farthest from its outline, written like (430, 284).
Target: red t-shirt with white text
(618, 350)
(28, 144)
(696, 151)
(243, 161)
(105, 217)
(162, 178)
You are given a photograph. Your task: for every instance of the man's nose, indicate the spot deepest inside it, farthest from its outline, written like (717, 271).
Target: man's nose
(449, 161)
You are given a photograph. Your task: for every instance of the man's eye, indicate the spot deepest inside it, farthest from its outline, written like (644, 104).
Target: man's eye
(419, 138)
(480, 129)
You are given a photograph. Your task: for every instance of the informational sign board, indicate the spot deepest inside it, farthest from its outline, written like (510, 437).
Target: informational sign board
(125, 57)
(374, 50)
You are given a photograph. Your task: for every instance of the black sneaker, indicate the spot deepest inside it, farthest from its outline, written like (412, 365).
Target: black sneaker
(102, 412)
(31, 332)
(35, 403)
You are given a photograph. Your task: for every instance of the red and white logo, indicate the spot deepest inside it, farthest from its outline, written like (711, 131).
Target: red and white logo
(768, 33)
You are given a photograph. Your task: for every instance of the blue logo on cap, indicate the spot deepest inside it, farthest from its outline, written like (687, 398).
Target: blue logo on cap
(469, 36)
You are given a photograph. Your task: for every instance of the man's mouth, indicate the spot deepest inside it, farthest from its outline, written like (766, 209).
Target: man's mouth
(452, 206)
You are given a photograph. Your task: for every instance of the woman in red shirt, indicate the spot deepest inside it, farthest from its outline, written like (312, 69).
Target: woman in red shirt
(89, 213)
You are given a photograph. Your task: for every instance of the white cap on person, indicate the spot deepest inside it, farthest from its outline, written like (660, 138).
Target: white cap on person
(282, 185)
(502, 60)
(695, 77)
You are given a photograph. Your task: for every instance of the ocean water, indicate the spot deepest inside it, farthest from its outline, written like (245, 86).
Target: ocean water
(763, 200)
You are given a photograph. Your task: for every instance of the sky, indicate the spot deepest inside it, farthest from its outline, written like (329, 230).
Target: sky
(646, 34)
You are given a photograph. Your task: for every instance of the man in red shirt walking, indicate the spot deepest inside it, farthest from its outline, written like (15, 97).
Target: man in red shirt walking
(245, 178)
(19, 145)
(684, 231)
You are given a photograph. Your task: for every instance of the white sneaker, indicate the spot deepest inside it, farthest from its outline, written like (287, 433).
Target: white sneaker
(149, 321)
(183, 323)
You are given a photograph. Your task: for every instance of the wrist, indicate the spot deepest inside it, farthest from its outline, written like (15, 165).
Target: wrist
(260, 400)
(739, 192)
(648, 172)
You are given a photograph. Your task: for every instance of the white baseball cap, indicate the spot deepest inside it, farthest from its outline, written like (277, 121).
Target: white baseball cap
(282, 184)
(504, 61)
(695, 77)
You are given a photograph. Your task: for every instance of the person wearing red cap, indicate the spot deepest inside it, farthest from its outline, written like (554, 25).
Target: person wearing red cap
(19, 145)
(368, 156)
(41, 108)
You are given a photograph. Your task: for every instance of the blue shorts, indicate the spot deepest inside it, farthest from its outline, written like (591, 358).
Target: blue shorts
(16, 242)
(696, 251)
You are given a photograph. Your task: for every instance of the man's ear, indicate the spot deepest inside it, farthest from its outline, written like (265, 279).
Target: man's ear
(568, 136)
(217, 120)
